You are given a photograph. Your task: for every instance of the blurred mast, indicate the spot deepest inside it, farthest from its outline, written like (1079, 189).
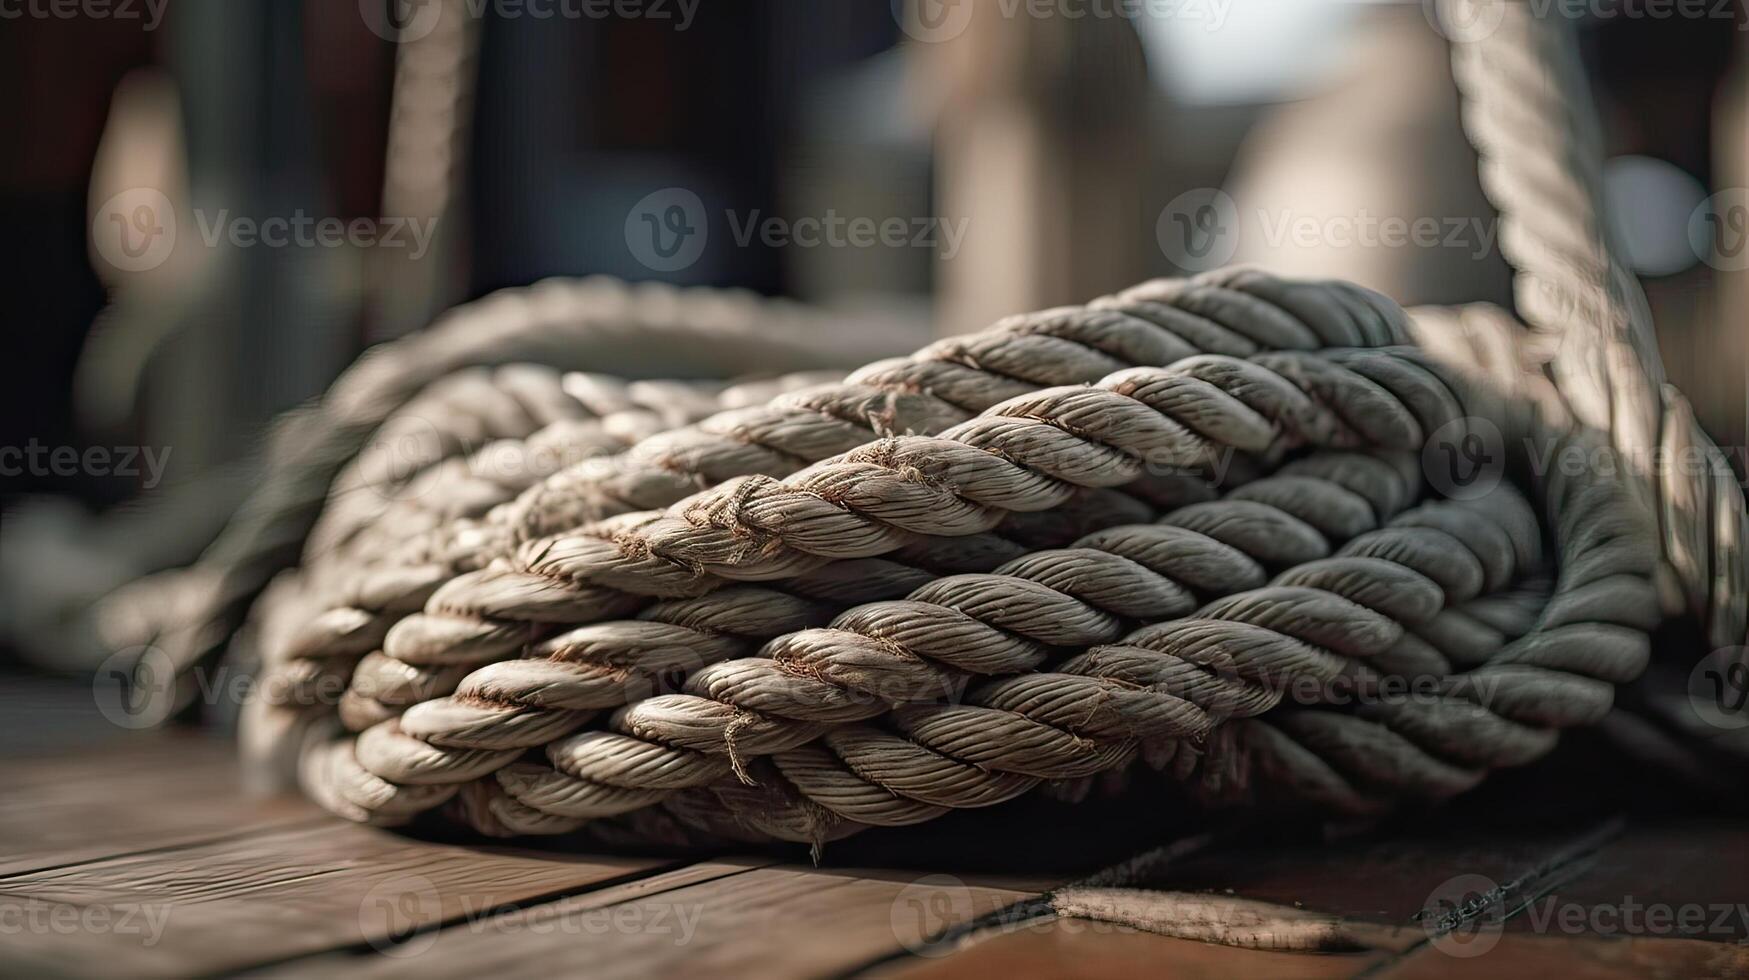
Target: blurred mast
(1041, 148)
(424, 169)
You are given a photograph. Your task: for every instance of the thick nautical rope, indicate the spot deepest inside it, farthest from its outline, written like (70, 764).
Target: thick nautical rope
(631, 659)
(1134, 574)
(1110, 439)
(1172, 679)
(478, 437)
(596, 324)
(1235, 312)
(1527, 111)
(1012, 733)
(375, 503)
(1420, 399)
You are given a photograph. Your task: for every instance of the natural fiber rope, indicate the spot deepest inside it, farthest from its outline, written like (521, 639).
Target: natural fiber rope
(1528, 113)
(1394, 370)
(373, 507)
(1171, 680)
(1136, 573)
(1235, 313)
(1232, 313)
(597, 324)
(479, 436)
(1361, 321)
(1013, 732)
(1505, 712)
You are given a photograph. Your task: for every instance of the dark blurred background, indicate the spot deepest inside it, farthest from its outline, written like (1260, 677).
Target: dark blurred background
(1031, 161)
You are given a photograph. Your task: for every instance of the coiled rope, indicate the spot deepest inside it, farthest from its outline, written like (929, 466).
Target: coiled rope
(596, 324)
(1023, 455)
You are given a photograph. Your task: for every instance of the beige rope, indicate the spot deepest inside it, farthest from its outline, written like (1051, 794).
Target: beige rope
(373, 506)
(427, 767)
(1155, 683)
(1013, 732)
(596, 324)
(1107, 579)
(938, 387)
(997, 481)
(844, 727)
(1234, 313)
(1502, 713)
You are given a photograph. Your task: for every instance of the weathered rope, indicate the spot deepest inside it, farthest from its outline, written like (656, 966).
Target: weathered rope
(1171, 680)
(1002, 741)
(844, 727)
(1238, 312)
(1130, 417)
(374, 507)
(478, 437)
(1108, 578)
(595, 324)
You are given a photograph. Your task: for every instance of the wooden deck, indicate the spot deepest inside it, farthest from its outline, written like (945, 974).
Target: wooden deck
(137, 855)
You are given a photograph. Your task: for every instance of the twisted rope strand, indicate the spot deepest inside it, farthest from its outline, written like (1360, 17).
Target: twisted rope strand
(980, 623)
(1237, 310)
(1026, 454)
(554, 676)
(604, 665)
(1528, 113)
(1280, 396)
(1174, 679)
(978, 687)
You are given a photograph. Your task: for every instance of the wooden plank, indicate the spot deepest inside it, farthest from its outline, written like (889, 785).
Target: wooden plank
(1682, 879)
(1577, 958)
(1094, 951)
(230, 904)
(1359, 902)
(135, 794)
(1387, 881)
(770, 922)
(439, 948)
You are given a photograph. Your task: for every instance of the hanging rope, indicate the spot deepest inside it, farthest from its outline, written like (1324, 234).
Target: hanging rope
(1528, 113)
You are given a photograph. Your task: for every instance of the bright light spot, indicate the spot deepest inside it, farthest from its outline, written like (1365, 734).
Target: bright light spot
(1647, 203)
